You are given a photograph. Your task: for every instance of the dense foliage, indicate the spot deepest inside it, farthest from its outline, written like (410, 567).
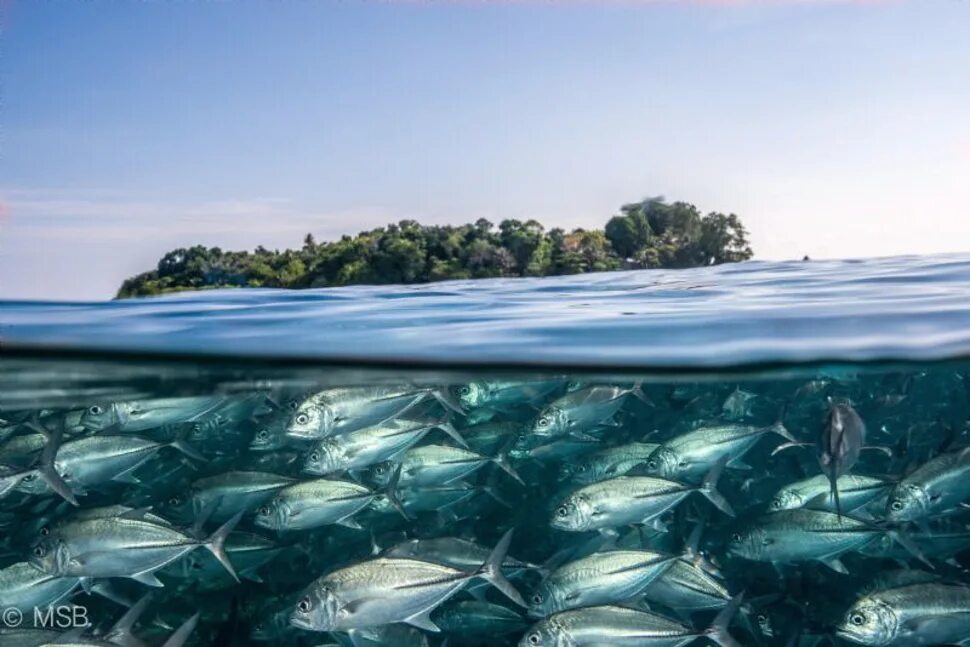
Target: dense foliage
(651, 233)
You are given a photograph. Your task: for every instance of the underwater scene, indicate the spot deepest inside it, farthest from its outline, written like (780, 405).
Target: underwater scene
(150, 502)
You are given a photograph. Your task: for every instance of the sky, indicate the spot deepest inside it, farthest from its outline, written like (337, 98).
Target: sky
(127, 129)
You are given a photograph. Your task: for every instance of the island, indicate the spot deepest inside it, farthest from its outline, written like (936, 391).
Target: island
(651, 233)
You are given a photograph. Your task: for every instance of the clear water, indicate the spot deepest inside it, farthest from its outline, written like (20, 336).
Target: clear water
(657, 355)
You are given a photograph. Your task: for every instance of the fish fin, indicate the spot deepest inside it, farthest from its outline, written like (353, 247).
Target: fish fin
(709, 488)
(491, 570)
(128, 476)
(87, 584)
(452, 433)
(582, 435)
(718, 631)
(492, 492)
(390, 491)
(120, 632)
(781, 430)
(147, 578)
(477, 591)
(834, 494)
(788, 445)
(423, 621)
(739, 464)
(878, 448)
(904, 540)
(182, 634)
(216, 544)
(186, 449)
(351, 523)
(836, 565)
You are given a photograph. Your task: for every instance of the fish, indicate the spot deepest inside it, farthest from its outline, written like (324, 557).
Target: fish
(577, 412)
(345, 409)
(599, 626)
(607, 463)
(386, 590)
(937, 487)
(501, 394)
(627, 500)
(917, 614)
(320, 502)
(477, 622)
(126, 546)
(856, 491)
(737, 406)
(602, 578)
(438, 465)
(693, 454)
(142, 415)
(229, 493)
(803, 534)
(839, 445)
(365, 447)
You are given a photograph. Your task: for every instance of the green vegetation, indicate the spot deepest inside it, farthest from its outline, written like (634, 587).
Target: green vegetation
(651, 233)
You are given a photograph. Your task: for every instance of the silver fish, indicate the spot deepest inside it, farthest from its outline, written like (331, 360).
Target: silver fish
(142, 415)
(579, 411)
(693, 454)
(386, 590)
(601, 578)
(438, 465)
(341, 410)
(630, 499)
(936, 487)
(607, 463)
(316, 503)
(126, 546)
(624, 627)
(855, 492)
(918, 614)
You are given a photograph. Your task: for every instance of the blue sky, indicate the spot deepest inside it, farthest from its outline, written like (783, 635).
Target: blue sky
(835, 129)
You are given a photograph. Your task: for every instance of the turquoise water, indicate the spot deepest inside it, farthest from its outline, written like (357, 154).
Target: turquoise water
(639, 433)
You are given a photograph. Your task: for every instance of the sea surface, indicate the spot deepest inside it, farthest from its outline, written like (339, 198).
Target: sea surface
(767, 453)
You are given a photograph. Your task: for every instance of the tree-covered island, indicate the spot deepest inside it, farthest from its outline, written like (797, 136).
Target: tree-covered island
(648, 234)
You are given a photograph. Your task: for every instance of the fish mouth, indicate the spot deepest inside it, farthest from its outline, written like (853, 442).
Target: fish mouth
(298, 621)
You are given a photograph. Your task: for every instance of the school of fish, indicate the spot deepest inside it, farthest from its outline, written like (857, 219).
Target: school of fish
(542, 511)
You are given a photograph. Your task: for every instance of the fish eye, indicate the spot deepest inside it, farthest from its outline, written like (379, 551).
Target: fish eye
(464, 390)
(535, 639)
(543, 421)
(682, 464)
(314, 456)
(896, 505)
(581, 468)
(174, 501)
(857, 619)
(537, 598)
(381, 469)
(302, 419)
(45, 531)
(292, 405)
(762, 618)
(736, 537)
(264, 511)
(95, 410)
(304, 604)
(652, 463)
(562, 511)
(263, 434)
(39, 551)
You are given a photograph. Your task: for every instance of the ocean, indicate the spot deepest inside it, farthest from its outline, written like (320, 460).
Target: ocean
(765, 453)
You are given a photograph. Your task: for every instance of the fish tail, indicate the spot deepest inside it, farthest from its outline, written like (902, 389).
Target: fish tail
(391, 492)
(502, 460)
(491, 570)
(182, 634)
(638, 393)
(718, 631)
(186, 449)
(46, 468)
(120, 632)
(216, 544)
(449, 429)
(447, 400)
(709, 488)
